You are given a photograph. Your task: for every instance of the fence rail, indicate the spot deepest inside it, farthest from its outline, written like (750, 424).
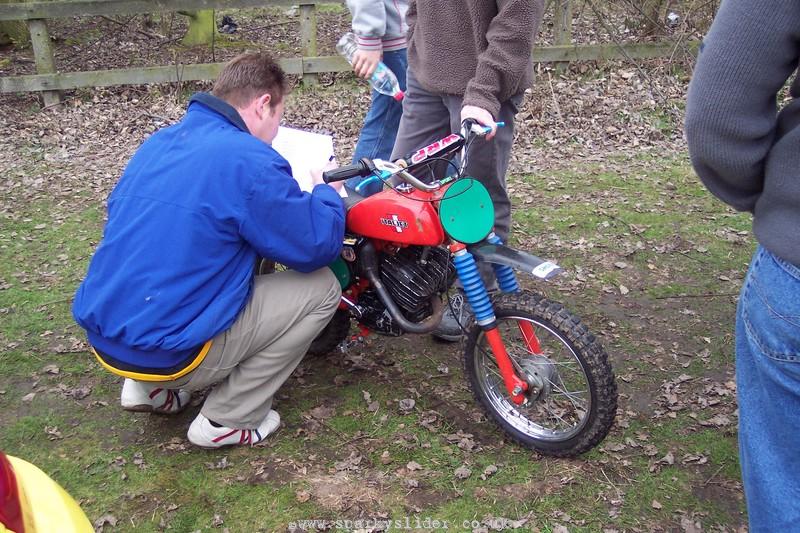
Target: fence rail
(87, 8)
(50, 81)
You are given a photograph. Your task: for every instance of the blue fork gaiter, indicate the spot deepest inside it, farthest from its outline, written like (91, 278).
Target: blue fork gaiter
(506, 278)
(474, 288)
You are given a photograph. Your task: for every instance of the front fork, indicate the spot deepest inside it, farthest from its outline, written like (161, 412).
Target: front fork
(478, 298)
(507, 282)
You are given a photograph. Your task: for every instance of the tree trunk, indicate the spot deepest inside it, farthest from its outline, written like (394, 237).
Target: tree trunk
(13, 31)
(653, 17)
(202, 27)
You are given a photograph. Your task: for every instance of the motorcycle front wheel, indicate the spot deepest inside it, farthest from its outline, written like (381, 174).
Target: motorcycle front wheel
(572, 394)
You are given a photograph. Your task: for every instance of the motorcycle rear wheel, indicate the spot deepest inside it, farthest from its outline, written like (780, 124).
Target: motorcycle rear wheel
(577, 399)
(334, 333)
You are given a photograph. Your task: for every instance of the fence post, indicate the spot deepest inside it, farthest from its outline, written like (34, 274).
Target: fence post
(43, 54)
(308, 37)
(563, 28)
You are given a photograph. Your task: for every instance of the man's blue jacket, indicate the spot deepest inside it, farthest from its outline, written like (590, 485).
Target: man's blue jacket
(197, 203)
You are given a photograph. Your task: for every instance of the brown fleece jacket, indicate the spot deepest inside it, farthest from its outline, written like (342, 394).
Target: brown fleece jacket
(478, 49)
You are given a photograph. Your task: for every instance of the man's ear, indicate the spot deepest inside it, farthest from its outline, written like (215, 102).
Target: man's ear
(262, 104)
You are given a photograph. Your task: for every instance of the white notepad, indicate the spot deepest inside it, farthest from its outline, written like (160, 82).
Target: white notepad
(305, 151)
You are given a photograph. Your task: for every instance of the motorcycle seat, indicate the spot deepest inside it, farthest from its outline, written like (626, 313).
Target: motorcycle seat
(352, 198)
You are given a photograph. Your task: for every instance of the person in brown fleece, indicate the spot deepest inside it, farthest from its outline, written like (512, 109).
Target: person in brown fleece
(468, 59)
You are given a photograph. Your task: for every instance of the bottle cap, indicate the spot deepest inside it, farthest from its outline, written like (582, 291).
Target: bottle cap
(399, 96)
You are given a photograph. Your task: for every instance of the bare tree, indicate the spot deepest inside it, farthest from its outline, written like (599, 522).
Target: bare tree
(202, 27)
(13, 31)
(653, 15)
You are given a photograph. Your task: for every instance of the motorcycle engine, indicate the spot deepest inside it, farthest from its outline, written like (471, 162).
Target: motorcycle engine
(412, 276)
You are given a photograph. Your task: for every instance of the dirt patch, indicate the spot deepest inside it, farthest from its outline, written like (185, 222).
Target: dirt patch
(532, 489)
(274, 474)
(466, 418)
(421, 498)
(343, 493)
(727, 496)
(640, 400)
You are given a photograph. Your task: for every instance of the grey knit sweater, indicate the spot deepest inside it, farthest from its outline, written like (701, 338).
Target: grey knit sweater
(379, 24)
(478, 49)
(744, 150)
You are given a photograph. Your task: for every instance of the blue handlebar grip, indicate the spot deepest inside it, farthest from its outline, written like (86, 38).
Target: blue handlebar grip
(487, 129)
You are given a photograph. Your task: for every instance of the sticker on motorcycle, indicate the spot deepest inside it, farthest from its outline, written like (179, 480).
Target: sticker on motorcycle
(433, 148)
(394, 221)
(546, 270)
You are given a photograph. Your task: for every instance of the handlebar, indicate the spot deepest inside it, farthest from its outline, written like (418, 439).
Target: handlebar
(389, 169)
(362, 168)
(472, 126)
(380, 170)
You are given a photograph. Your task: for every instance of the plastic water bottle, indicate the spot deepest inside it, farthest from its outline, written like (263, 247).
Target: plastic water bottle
(382, 80)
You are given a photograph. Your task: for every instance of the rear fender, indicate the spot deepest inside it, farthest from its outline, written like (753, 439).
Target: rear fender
(522, 261)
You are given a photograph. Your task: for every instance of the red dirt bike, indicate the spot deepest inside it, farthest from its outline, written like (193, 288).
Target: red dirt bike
(533, 366)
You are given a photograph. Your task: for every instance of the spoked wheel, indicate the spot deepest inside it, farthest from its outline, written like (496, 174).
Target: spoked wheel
(571, 396)
(267, 266)
(334, 333)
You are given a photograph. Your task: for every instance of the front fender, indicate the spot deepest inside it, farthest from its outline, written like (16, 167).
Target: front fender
(523, 261)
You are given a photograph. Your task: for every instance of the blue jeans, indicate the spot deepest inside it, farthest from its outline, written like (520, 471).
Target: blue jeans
(768, 388)
(380, 125)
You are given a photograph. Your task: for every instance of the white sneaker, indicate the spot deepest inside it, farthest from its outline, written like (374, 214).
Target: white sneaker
(145, 398)
(202, 433)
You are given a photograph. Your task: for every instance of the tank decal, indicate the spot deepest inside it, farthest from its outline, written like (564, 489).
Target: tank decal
(395, 221)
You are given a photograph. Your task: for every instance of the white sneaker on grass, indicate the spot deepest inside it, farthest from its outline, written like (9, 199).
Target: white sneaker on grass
(206, 435)
(147, 397)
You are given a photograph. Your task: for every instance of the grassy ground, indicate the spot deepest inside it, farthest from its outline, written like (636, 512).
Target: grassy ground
(653, 267)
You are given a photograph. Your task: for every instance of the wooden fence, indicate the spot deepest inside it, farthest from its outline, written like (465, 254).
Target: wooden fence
(50, 81)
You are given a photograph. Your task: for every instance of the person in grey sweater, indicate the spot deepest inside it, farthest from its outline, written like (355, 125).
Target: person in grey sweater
(747, 153)
(468, 59)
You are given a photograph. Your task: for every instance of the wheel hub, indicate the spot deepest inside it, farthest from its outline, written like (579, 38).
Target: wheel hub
(540, 373)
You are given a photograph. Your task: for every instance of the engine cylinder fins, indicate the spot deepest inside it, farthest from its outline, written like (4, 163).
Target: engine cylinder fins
(410, 281)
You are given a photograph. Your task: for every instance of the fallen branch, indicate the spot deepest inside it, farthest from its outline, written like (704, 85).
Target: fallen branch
(555, 100)
(147, 33)
(283, 23)
(713, 475)
(706, 295)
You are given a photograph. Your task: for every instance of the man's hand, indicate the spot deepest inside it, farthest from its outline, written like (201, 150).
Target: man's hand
(480, 115)
(316, 175)
(365, 62)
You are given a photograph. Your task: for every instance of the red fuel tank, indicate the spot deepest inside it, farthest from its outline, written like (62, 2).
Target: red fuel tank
(408, 218)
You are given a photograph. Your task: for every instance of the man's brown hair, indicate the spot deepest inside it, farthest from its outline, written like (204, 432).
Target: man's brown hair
(248, 76)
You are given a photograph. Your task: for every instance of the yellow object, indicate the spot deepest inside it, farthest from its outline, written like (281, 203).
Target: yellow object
(138, 376)
(46, 507)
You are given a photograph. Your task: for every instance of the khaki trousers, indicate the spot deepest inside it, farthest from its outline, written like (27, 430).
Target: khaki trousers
(251, 360)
